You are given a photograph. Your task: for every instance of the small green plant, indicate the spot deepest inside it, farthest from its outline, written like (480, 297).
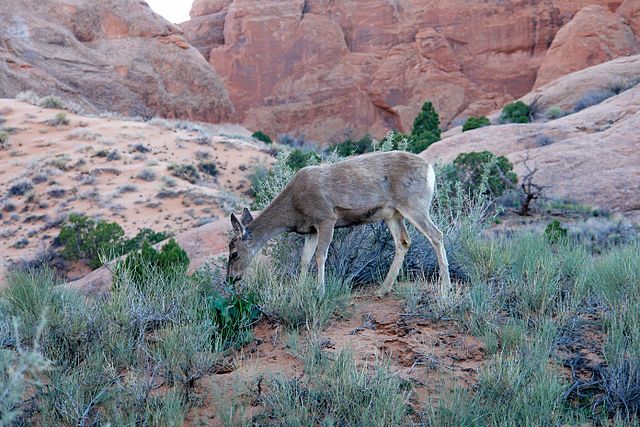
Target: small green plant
(261, 136)
(351, 147)
(51, 101)
(555, 232)
(209, 168)
(516, 112)
(298, 159)
(474, 169)
(4, 139)
(426, 128)
(59, 120)
(233, 315)
(475, 123)
(555, 112)
(170, 260)
(187, 172)
(85, 239)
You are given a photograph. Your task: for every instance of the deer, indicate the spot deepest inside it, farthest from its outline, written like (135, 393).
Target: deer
(380, 186)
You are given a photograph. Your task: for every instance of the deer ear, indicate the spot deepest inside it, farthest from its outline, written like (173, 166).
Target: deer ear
(237, 226)
(246, 217)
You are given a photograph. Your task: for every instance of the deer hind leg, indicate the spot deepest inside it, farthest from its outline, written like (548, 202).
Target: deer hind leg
(310, 245)
(421, 220)
(402, 243)
(325, 235)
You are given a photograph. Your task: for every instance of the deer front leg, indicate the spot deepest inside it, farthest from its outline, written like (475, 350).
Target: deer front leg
(325, 235)
(310, 244)
(402, 243)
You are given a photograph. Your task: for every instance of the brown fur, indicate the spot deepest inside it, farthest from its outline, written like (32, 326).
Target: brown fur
(372, 187)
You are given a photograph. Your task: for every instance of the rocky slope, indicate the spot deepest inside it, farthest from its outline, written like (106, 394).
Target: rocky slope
(590, 156)
(116, 170)
(330, 69)
(114, 55)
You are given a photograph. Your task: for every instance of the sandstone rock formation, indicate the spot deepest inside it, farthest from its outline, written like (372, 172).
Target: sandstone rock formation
(629, 10)
(591, 156)
(595, 35)
(329, 69)
(114, 55)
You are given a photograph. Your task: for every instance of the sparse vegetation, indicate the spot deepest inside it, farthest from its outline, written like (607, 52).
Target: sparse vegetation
(20, 188)
(60, 119)
(209, 168)
(261, 136)
(475, 123)
(592, 98)
(147, 175)
(516, 112)
(187, 172)
(51, 101)
(555, 113)
(4, 140)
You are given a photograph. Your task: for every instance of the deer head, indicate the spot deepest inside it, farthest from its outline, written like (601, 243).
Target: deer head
(241, 251)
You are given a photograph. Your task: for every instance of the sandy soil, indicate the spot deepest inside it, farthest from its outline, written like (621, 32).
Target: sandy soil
(91, 166)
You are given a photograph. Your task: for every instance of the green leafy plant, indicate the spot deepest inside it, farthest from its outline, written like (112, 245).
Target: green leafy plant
(516, 112)
(170, 260)
(233, 315)
(261, 136)
(470, 169)
(555, 232)
(475, 123)
(298, 159)
(426, 128)
(351, 147)
(85, 239)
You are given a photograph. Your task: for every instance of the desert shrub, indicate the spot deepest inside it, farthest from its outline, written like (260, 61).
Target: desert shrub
(297, 301)
(185, 171)
(84, 239)
(147, 175)
(170, 260)
(209, 168)
(516, 112)
(426, 128)
(4, 139)
(475, 123)
(351, 147)
(615, 274)
(555, 113)
(338, 393)
(51, 101)
(20, 369)
(20, 188)
(472, 169)
(555, 232)
(144, 235)
(592, 98)
(298, 159)
(518, 387)
(261, 136)
(60, 119)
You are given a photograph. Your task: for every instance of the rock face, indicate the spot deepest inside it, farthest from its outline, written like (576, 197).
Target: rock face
(114, 55)
(330, 69)
(591, 156)
(593, 36)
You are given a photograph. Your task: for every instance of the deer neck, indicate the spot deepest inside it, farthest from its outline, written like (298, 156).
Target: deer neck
(273, 220)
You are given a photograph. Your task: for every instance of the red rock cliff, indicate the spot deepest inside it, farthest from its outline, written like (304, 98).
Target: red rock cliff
(114, 55)
(330, 68)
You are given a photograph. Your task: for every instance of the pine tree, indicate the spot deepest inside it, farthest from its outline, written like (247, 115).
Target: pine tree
(426, 126)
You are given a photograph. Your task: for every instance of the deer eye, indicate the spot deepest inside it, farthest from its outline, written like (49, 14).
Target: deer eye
(234, 255)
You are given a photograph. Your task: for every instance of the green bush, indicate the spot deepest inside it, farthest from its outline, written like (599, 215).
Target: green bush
(261, 136)
(170, 260)
(85, 239)
(426, 128)
(59, 120)
(475, 123)
(555, 113)
(483, 171)
(209, 168)
(516, 112)
(187, 172)
(298, 159)
(555, 232)
(350, 147)
(51, 101)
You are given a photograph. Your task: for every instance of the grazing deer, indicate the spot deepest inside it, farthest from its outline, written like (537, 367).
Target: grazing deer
(368, 188)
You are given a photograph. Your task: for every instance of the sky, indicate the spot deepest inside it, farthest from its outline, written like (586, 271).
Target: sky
(175, 11)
